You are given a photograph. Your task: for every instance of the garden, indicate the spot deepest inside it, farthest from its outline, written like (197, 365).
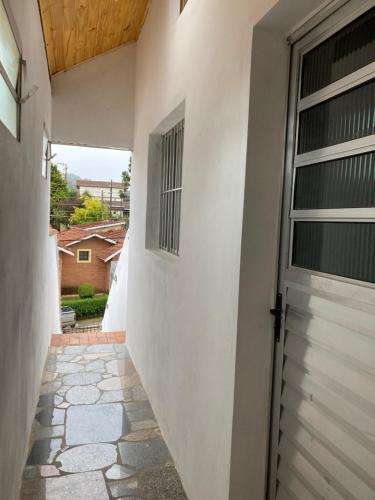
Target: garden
(86, 304)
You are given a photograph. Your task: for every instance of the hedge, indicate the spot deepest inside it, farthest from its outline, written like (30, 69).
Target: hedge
(86, 291)
(87, 308)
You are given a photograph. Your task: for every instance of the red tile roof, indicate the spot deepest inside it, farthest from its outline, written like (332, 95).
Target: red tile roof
(80, 232)
(110, 252)
(98, 223)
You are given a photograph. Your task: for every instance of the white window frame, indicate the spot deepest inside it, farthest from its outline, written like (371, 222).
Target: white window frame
(83, 261)
(14, 90)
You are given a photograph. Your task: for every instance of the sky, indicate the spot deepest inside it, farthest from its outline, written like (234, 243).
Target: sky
(92, 163)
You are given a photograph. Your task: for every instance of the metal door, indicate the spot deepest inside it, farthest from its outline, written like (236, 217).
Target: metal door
(323, 423)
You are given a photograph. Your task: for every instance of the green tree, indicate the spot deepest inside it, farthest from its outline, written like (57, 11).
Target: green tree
(59, 186)
(125, 179)
(59, 216)
(72, 193)
(93, 210)
(59, 191)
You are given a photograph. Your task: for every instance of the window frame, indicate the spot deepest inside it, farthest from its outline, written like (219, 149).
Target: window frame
(17, 89)
(84, 261)
(350, 148)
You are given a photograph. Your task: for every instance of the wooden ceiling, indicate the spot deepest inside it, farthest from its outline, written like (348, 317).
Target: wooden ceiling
(76, 30)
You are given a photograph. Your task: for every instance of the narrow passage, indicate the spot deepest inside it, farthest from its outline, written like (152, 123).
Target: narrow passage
(95, 435)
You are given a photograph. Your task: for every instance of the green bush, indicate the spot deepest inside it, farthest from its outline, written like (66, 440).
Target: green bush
(86, 291)
(87, 308)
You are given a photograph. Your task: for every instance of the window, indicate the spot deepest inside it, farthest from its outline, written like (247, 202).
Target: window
(333, 221)
(84, 256)
(182, 4)
(171, 188)
(10, 75)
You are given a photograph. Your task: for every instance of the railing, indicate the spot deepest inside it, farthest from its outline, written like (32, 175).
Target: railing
(83, 329)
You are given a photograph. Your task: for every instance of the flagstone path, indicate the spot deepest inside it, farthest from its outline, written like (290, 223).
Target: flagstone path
(95, 435)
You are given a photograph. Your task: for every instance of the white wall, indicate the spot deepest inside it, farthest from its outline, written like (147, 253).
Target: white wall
(52, 287)
(24, 217)
(93, 102)
(191, 343)
(115, 315)
(182, 312)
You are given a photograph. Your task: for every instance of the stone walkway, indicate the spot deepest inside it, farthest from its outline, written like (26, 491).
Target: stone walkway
(95, 436)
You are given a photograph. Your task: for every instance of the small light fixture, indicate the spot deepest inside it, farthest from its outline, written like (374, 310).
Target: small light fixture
(34, 89)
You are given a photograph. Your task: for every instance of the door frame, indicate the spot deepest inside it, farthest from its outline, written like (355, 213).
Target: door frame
(318, 31)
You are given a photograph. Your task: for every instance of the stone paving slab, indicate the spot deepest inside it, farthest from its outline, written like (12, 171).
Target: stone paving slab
(95, 434)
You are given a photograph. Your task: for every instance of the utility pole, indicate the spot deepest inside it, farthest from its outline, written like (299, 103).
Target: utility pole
(65, 168)
(102, 216)
(110, 202)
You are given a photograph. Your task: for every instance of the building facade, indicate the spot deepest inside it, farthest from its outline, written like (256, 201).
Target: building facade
(114, 194)
(97, 189)
(86, 253)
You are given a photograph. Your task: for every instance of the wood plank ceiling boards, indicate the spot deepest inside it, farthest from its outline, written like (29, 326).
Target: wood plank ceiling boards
(77, 30)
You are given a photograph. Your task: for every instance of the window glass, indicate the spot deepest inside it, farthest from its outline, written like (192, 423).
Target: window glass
(84, 255)
(343, 118)
(8, 108)
(9, 53)
(341, 248)
(350, 49)
(342, 183)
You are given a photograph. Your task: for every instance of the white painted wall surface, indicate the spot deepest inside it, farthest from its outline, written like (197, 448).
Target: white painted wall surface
(116, 312)
(184, 324)
(24, 253)
(52, 287)
(93, 102)
(182, 312)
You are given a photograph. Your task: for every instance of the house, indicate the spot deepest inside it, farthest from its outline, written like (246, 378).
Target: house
(109, 192)
(97, 189)
(88, 253)
(268, 105)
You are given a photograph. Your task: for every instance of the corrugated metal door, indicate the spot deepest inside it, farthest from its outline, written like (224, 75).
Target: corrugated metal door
(323, 441)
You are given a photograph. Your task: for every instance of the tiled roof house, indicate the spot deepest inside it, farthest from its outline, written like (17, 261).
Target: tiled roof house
(86, 253)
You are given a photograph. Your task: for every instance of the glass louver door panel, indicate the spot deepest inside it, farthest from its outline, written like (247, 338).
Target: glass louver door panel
(343, 118)
(341, 183)
(341, 248)
(349, 50)
(322, 437)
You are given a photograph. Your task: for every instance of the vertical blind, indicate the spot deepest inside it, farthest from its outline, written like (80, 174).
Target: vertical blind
(171, 188)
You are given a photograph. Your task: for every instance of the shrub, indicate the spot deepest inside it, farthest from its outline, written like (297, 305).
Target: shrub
(86, 290)
(87, 308)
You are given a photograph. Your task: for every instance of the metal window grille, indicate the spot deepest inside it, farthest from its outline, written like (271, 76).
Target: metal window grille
(171, 189)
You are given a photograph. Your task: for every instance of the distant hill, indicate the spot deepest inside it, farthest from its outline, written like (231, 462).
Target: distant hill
(71, 178)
